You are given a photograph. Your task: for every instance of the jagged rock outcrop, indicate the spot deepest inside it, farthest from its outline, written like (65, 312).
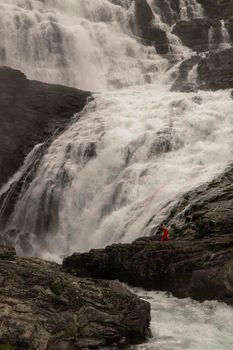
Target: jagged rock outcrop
(43, 308)
(30, 111)
(216, 70)
(143, 27)
(213, 72)
(201, 269)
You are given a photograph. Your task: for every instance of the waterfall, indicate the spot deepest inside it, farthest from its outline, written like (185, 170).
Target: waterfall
(193, 75)
(17, 182)
(225, 37)
(83, 43)
(114, 174)
(219, 38)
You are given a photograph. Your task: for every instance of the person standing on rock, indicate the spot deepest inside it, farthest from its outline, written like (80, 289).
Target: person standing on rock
(165, 235)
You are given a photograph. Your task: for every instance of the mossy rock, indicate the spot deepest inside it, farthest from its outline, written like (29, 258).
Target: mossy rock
(57, 287)
(7, 346)
(71, 332)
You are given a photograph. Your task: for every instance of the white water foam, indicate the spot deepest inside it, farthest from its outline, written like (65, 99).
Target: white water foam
(83, 43)
(184, 324)
(129, 157)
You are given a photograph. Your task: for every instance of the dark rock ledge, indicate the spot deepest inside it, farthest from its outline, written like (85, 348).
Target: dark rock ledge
(202, 269)
(42, 308)
(30, 112)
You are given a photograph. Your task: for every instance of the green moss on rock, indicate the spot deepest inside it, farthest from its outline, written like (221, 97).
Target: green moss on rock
(7, 346)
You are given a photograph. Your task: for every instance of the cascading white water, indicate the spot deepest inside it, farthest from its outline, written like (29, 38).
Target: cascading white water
(175, 44)
(188, 325)
(84, 43)
(129, 157)
(193, 75)
(225, 36)
(219, 38)
(114, 173)
(124, 162)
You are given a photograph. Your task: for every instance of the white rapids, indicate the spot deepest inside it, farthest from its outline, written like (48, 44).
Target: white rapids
(187, 324)
(125, 161)
(128, 159)
(84, 43)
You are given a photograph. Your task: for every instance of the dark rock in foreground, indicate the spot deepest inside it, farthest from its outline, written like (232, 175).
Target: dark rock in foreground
(30, 111)
(201, 269)
(44, 308)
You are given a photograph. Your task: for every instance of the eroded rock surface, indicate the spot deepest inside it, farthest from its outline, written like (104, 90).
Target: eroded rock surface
(44, 308)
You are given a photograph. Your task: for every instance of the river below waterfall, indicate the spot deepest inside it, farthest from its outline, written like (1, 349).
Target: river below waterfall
(184, 324)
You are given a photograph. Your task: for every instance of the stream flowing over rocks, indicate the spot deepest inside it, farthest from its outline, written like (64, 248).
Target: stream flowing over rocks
(87, 177)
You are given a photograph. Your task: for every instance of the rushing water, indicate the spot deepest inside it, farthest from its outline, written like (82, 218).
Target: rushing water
(186, 324)
(123, 162)
(118, 169)
(84, 43)
(225, 36)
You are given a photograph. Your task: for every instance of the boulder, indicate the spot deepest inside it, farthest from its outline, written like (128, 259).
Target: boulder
(43, 308)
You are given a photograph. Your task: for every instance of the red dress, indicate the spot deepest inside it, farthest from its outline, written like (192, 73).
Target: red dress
(165, 236)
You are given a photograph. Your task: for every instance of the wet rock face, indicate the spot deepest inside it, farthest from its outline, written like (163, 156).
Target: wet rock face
(216, 71)
(193, 33)
(185, 82)
(142, 27)
(30, 112)
(43, 308)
